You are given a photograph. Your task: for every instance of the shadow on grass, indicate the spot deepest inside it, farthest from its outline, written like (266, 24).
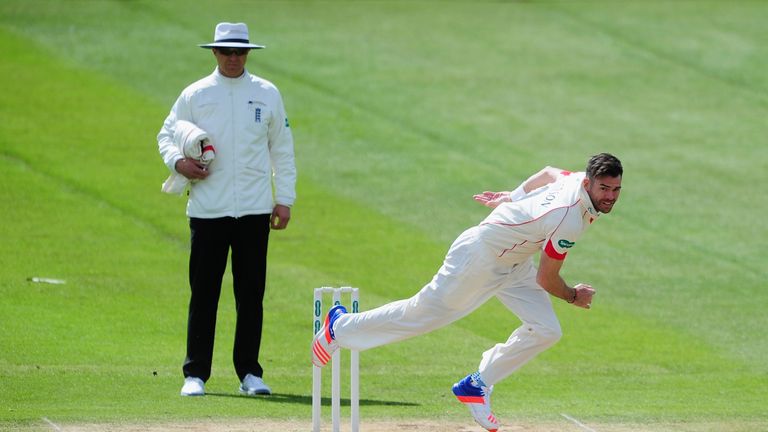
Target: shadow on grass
(307, 400)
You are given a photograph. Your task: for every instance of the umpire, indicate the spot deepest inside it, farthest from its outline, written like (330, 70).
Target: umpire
(234, 201)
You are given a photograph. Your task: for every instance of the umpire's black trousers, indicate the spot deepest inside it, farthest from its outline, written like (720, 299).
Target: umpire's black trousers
(212, 239)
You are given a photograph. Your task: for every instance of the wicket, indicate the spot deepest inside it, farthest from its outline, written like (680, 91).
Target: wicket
(354, 360)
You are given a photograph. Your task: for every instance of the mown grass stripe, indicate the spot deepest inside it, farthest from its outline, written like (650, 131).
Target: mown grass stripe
(380, 203)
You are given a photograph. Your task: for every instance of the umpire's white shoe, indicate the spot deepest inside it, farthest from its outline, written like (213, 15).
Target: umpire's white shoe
(253, 385)
(193, 387)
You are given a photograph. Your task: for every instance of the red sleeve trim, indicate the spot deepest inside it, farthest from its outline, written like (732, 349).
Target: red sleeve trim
(549, 249)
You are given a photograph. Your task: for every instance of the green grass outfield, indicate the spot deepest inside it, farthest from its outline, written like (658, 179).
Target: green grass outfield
(400, 111)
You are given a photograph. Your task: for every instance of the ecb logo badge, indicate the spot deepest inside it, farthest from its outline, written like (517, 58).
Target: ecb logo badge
(565, 243)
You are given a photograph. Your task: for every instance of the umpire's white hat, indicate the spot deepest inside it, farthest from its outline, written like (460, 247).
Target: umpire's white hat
(231, 35)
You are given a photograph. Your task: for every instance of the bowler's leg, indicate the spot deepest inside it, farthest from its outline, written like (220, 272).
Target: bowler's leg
(540, 328)
(464, 282)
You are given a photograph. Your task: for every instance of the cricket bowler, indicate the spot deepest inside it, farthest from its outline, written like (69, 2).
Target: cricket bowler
(547, 213)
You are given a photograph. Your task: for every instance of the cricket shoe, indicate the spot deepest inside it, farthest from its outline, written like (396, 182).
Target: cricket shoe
(193, 387)
(478, 399)
(324, 344)
(253, 385)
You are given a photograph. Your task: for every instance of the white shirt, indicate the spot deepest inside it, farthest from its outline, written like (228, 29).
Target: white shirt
(551, 218)
(246, 122)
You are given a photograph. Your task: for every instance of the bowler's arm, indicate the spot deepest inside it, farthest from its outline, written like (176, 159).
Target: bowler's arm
(548, 277)
(544, 177)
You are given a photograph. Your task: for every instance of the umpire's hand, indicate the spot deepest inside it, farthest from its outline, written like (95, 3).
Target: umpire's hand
(280, 216)
(191, 169)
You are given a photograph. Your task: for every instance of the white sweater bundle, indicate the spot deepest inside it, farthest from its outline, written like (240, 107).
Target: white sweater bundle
(193, 143)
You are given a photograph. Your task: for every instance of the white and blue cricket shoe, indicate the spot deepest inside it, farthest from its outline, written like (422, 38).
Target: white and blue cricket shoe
(324, 343)
(477, 397)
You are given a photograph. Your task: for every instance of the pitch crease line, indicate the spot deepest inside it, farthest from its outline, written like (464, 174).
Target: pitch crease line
(53, 425)
(577, 423)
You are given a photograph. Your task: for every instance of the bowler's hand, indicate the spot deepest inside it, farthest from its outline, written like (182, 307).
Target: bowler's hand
(492, 199)
(280, 216)
(191, 169)
(584, 295)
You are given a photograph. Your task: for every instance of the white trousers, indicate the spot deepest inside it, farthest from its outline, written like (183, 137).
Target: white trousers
(469, 276)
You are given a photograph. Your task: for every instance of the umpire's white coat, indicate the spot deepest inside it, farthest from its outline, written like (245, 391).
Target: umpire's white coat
(491, 259)
(245, 119)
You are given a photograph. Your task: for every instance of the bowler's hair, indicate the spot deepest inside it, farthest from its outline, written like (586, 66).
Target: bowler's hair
(604, 164)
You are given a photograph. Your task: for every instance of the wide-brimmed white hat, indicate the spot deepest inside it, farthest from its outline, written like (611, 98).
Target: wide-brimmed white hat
(231, 35)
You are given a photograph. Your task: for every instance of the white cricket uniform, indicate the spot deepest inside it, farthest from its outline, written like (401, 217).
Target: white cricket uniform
(491, 259)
